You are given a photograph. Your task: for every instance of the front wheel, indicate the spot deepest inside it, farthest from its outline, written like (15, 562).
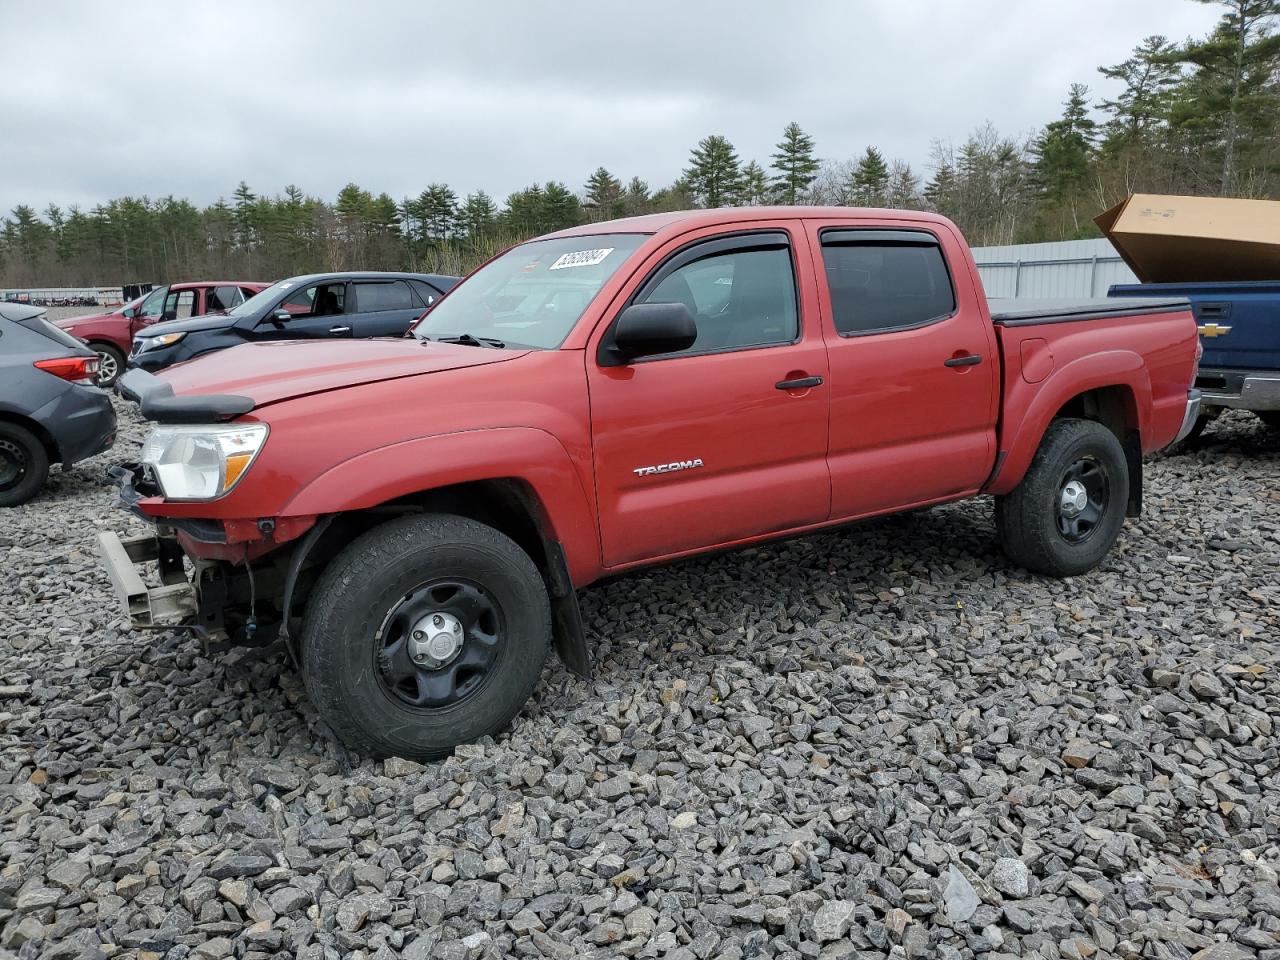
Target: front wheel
(1068, 510)
(424, 633)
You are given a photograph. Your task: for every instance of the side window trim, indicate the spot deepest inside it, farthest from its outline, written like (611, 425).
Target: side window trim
(888, 237)
(692, 252)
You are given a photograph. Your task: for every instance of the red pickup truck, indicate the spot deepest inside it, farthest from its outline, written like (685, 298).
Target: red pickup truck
(413, 516)
(110, 334)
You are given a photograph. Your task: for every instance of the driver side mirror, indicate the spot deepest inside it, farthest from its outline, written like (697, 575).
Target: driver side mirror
(648, 329)
(169, 315)
(280, 316)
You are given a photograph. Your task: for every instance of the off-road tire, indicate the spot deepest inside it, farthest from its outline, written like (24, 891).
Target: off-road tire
(368, 579)
(1027, 517)
(105, 350)
(22, 451)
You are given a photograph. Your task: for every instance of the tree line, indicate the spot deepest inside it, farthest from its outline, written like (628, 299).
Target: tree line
(1201, 116)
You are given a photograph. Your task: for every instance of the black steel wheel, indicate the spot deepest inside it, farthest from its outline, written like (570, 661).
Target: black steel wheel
(1066, 512)
(24, 464)
(425, 632)
(1082, 500)
(439, 643)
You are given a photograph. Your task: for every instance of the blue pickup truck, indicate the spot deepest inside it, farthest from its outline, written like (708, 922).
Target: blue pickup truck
(1240, 330)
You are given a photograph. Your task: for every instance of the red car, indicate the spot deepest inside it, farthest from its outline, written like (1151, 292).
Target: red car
(413, 515)
(110, 334)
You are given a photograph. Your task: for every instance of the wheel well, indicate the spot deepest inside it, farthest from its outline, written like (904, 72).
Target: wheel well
(1116, 408)
(43, 435)
(506, 504)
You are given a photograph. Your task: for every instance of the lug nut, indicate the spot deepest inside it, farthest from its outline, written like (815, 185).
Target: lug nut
(418, 634)
(438, 620)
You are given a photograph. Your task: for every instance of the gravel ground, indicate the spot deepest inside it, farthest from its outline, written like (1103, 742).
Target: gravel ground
(884, 742)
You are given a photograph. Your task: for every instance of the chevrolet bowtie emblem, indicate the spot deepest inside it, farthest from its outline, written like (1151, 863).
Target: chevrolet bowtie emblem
(1213, 330)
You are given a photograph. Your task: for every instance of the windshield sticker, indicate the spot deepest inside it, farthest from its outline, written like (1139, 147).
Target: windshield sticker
(582, 258)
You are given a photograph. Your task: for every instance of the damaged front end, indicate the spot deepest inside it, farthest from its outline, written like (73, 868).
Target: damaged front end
(226, 583)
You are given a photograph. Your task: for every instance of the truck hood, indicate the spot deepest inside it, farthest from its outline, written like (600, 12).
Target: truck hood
(280, 370)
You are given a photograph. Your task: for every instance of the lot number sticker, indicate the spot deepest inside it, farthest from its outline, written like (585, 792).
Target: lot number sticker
(582, 258)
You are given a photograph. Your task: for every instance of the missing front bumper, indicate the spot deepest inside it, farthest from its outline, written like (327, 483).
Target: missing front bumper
(170, 605)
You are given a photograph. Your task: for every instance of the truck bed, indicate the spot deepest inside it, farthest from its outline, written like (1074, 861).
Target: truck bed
(1009, 312)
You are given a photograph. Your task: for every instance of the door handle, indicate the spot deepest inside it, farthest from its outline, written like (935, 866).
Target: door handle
(801, 383)
(339, 331)
(966, 361)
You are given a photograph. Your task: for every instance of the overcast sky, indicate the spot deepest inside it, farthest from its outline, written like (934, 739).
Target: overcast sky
(101, 100)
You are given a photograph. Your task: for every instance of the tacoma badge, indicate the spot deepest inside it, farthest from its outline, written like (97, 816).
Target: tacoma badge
(668, 467)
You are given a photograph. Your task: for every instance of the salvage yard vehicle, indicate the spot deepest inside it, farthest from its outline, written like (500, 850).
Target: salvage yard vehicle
(329, 305)
(413, 516)
(50, 410)
(110, 334)
(1239, 325)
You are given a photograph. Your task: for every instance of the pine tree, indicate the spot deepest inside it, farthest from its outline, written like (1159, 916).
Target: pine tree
(796, 165)
(437, 207)
(869, 185)
(902, 191)
(560, 208)
(1149, 77)
(755, 186)
(636, 199)
(714, 178)
(478, 216)
(244, 203)
(1232, 93)
(1063, 151)
(603, 191)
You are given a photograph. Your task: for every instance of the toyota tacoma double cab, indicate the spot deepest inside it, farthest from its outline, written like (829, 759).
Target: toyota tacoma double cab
(413, 516)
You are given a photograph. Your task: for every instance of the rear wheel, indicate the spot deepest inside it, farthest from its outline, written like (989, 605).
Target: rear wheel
(1068, 510)
(110, 363)
(24, 464)
(426, 632)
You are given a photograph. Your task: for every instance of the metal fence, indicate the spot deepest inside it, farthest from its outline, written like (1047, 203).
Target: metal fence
(1070, 268)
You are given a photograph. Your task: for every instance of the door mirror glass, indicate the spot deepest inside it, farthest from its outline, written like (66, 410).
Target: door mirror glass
(648, 329)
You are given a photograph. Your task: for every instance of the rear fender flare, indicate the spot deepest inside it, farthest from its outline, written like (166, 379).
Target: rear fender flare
(1020, 437)
(422, 464)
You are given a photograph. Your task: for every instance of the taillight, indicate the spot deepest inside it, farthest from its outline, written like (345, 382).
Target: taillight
(1195, 367)
(75, 369)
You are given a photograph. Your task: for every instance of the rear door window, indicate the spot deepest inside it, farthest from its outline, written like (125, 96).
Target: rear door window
(375, 297)
(882, 280)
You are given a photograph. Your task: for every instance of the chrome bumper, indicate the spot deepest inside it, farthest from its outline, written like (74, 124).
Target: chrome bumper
(145, 607)
(1257, 392)
(1190, 416)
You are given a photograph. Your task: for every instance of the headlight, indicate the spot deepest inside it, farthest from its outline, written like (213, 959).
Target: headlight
(202, 462)
(152, 343)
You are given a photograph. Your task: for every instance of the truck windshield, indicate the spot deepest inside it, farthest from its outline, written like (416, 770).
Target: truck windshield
(533, 294)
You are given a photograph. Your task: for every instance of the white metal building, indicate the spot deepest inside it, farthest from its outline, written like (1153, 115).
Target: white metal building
(1070, 268)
